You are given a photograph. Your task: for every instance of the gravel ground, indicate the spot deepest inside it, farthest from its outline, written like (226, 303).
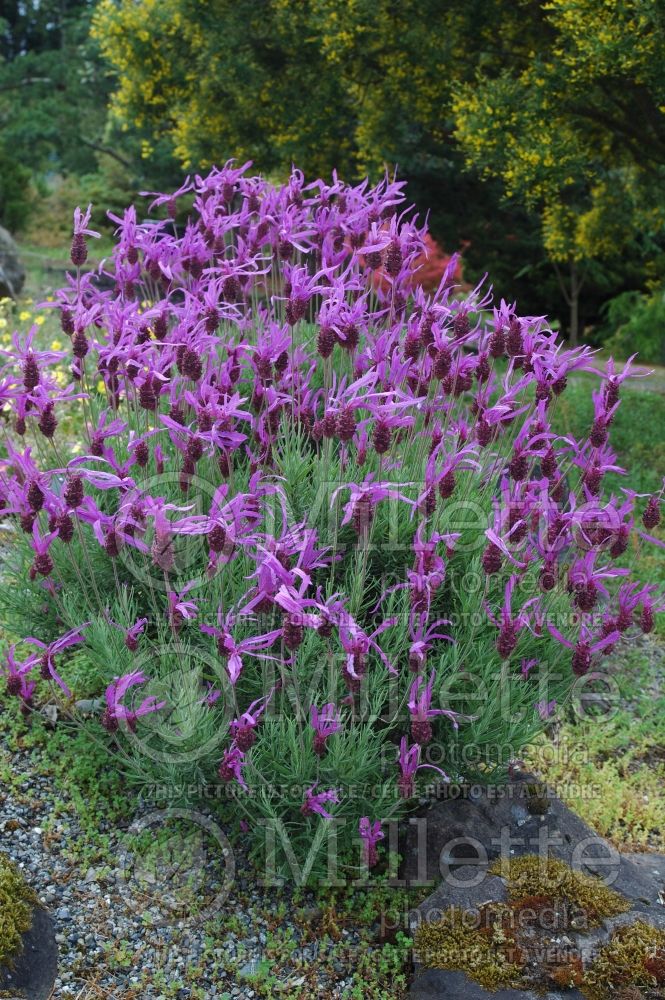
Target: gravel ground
(125, 929)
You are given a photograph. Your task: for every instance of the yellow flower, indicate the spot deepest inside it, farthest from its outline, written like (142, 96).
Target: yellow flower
(3, 322)
(6, 338)
(101, 387)
(56, 345)
(40, 320)
(24, 315)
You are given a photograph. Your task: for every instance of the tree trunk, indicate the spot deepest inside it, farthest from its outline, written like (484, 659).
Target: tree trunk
(574, 324)
(570, 291)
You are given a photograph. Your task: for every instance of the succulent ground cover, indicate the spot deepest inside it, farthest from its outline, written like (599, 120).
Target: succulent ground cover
(609, 767)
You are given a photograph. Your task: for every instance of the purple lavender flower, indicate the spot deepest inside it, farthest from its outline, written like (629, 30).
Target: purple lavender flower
(231, 766)
(133, 632)
(116, 712)
(47, 664)
(324, 723)
(419, 703)
(231, 649)
(244, 728)
(180, 610)
(585, 646)
(509, 625)
(546, 709)
(370, 834)
(527, 666)
(409, 765)
(17, 672)
(79, 253)
(315, 802)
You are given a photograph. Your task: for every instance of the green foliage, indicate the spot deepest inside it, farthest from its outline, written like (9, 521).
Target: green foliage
(49, 225)
(350, 87)
(573, 125)
(574, 145)
(541, 100)
(637, 324)
(15, 193)
(221, 79)
(16, 903)
(52, 91)
(55, 130)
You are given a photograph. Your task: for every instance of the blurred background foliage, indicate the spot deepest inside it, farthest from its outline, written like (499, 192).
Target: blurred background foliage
(531, 132)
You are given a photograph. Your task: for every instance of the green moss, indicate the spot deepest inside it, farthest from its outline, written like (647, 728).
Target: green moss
(535, 876)
(16, 904)
(634, 958)
(495, 943)
(482, 949)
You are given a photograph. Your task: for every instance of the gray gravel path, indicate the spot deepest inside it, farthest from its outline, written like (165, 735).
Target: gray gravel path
(108, 919)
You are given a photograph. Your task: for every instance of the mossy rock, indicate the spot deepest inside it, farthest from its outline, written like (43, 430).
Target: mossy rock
(481, 948)
(549, 878)
(28, 952)
(500, 944)
(463, 828)
(17, 901)
(631, 962)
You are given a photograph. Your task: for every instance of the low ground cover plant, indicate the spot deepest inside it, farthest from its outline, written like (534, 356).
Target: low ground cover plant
(319, 548)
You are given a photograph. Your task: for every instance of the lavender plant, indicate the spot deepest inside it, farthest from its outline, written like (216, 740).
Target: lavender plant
(322, 547)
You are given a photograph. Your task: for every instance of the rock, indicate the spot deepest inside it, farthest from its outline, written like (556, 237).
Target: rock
(467, 893)
(496, 821)
(88, 706)
(50, 714)
(652, 865)
(36, 967)
(12, 273)
(588, 945)
(499, 822)
(249, 969)
(438, 984)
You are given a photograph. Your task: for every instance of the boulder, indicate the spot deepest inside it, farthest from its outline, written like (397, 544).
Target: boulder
(452, 844)
(12, 273)
(588, 945)
(485, 823)
(35, 967)
(468, 893)
(437, 984)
